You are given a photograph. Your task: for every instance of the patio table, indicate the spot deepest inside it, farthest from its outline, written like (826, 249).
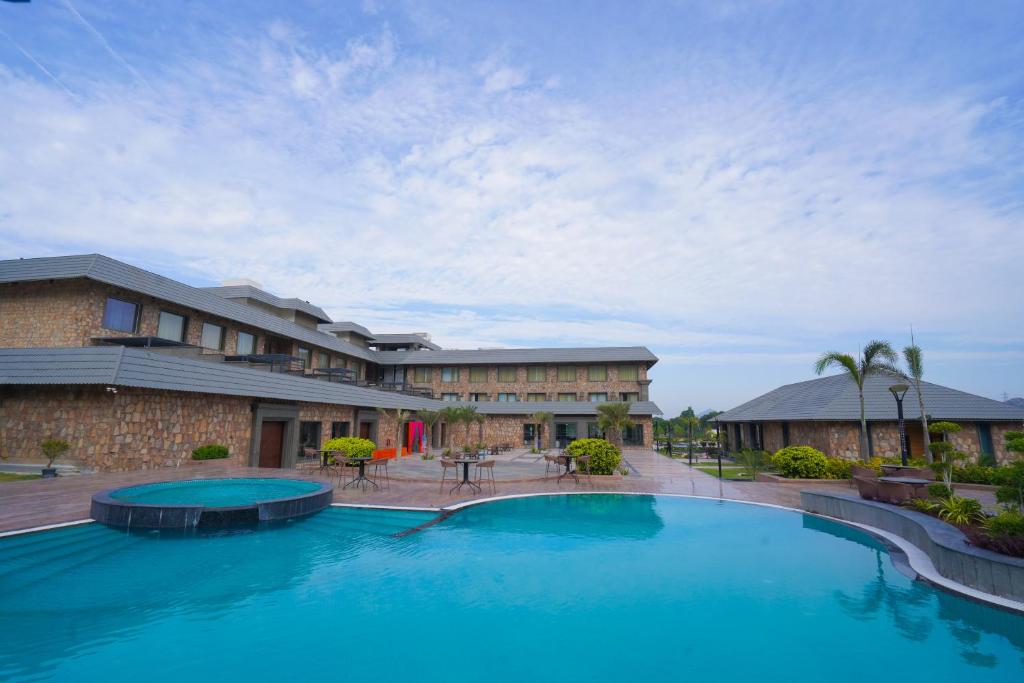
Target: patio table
(569, 472)
(361, 479)
(913, 482)
(465, 462)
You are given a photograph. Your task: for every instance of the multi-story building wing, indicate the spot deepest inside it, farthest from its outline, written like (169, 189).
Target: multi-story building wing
(136, 370)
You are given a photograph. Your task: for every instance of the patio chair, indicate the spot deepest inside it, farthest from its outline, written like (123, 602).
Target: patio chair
(488, 466)
(447, 464)
(552, 461)
(867, 487)
(376, 465)
(583, 465)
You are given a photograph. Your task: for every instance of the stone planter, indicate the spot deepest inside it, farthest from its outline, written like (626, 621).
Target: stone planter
(49, 473)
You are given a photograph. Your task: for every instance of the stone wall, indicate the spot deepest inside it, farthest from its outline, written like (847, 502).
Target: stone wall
(325, 414)
(550, 387)
(130, 430)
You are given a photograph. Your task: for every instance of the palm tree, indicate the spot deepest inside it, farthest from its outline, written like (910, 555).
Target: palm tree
(480, 419)
(876, 357)
(541, 418)
(450, 415)
(399, 416)
(429, 418)
(613, 418)
(914, 358)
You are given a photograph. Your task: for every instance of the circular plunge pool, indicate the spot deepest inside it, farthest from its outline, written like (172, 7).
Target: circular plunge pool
(209, 503)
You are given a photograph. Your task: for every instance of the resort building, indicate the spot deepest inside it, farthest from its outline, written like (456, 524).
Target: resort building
(825, 413)
(135, 370)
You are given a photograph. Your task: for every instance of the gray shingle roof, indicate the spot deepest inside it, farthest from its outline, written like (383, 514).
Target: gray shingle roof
(836, 398)
(346, 326)
(556, 407)
(408, 338)
(130, 367)
(250, 292)
(607, 354)
(107, 270)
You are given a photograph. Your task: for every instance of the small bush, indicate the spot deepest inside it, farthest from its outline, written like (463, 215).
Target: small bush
(800, 462)
(352, 446)
(754, 461)
(922, 505)
(1006, 523)
(974, 474)
(213, 451)
(939, 491)
(604, 456)
(960, 511)
(1010, 480)
(839, 468)
(53, 449)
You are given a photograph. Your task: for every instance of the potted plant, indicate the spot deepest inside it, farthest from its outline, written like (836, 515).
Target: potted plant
(53, 449)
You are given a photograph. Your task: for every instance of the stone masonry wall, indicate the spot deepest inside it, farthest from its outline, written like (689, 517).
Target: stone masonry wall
(550, 387)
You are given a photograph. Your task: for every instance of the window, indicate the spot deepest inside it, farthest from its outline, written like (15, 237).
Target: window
(630, 396)
(597, 397)
(629, 373)
(566, 373)
(309, 435)
(633, 435)
(304, 356)
(449, 397)
(535, 397)
(171, 326)
(323, 359)
(987, 456)
(212, 337)
(594, 431)
(339, 429)
(246, 344)
(506, 375)
(422, 375)
(479, 397)
(477, 375)
(785, 434)
(569, 396)
(529, 434)
(508, 398)
(449, 375)
(536, 373)
(597, 373)
(122, 316)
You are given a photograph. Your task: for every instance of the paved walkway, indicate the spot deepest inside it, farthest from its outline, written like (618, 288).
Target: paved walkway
(414, 482)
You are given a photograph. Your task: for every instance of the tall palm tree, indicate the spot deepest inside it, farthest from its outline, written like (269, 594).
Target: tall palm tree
(399, 416)
(429, 418)
(450, 416)
(613, 418)
(541, 418)
(479, 419)
(914, 358)
(876, 357)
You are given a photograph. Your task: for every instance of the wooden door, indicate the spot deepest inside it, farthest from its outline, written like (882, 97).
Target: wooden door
(271, 444)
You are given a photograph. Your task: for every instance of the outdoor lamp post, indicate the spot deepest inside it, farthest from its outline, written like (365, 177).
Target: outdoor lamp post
(898, 391)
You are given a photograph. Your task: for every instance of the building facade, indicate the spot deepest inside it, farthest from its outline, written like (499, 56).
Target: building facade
(135, 370)
(825, 414)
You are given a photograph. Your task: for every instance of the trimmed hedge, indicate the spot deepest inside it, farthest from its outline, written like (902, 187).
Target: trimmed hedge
(352, 446)
(604, 456)
(801, 462)
(213, 451)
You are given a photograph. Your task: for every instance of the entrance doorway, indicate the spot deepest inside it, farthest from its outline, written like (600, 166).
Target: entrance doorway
(271, 444)
(365, 429)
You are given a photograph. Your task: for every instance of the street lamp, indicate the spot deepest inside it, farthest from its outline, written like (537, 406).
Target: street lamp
(898, 391)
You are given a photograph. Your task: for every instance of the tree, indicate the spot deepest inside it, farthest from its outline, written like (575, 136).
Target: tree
(946, 454)
(450, 416)
(429, 418)
(876, 357)
(399, 416)
(613, 418)
(914, 359)
(541, 418)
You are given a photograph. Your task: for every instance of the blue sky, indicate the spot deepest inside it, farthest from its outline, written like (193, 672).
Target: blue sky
(738, 186)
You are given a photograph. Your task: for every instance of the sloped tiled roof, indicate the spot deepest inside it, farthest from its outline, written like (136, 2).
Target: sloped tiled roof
(836, 398)
(606, 354)
(250, 292)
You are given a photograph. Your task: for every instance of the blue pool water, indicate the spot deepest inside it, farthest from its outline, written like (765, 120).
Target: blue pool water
(567, 588)
(215, 492)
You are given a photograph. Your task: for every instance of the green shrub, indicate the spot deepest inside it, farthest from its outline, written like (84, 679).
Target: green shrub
(604, 456)
(800, 462)
(213, 451)
(973, 474)
(754, 461)
(922, 505)
(1010, 480)
(1006, 523)
(352, 446)
(939, 491)
(53, 449)
(956, 510)
(839, 468)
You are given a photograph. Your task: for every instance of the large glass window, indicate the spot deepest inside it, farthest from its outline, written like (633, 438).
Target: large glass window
(305, 356)
(121, 315)
(597, 373)
(536, 397)
(171, 326)
(630, 396)
(323, 359)
(594, 431)
(536, 373)
(529, 434)
(212, 337)
(633, 435)
(479, 397)
(421, 375)
(449, 375)
(628, 373)
(597, 397)
(449, 397)
(508, 398)
(566, 396)
(506, 375)
(478, 375)
(309, 435)
(339, 429)
(566, 373)
(246, 344)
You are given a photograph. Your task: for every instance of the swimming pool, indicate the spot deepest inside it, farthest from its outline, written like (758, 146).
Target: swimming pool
(215, 492)
(586, 587)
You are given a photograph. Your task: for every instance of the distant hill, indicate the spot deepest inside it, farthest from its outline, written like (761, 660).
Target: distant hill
(1019, 402)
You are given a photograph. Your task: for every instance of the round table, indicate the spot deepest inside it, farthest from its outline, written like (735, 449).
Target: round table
(569, 472)
(361, 479)
(465, 462)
